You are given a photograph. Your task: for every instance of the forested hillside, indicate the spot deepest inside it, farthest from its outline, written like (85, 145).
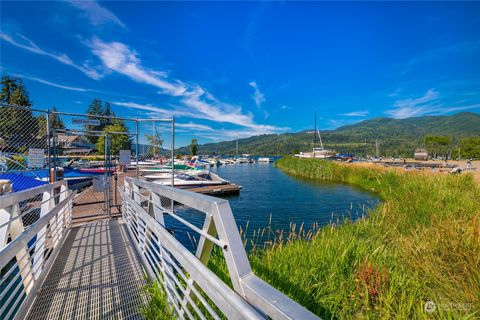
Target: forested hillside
(397, 137)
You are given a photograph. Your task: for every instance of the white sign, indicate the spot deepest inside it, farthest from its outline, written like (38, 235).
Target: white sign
(36, 158)
(90, 122)
(125, 157)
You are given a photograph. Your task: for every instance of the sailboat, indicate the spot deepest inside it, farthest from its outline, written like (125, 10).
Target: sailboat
(317, 152)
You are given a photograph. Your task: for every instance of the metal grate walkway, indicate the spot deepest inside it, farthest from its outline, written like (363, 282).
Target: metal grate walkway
(97, 275)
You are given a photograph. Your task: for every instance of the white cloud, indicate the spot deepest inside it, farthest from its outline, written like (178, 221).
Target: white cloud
(119, 58)
(407, 108)
(194, 126)
(362, 113)
(60, 57)
(258, 96)
(95, 13)
(52, 84)
(195, 101)
(428, 104)
(155, 111)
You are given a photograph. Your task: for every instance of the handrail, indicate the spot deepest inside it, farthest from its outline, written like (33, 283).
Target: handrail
(8, 253)
(161, 252)
(207, 280)
(37, 235)
(10, 199)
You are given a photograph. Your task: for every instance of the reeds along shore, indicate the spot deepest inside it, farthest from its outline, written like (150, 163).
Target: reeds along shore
(420, 244)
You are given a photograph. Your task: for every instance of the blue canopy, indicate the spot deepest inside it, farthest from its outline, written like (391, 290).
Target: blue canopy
(21, 182)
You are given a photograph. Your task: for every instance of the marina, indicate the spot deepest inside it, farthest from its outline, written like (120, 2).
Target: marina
(239, 160)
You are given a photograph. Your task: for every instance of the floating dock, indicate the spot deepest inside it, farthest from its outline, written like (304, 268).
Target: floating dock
(218, 189)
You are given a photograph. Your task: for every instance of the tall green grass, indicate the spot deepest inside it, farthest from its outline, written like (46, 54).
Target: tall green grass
(420, 244)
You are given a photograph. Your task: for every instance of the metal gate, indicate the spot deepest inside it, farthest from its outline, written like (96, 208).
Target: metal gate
(85, 173)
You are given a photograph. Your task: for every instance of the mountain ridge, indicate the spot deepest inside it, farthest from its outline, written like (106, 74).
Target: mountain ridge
(397, 136)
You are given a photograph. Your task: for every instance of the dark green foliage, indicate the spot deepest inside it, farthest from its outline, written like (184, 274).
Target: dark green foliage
(437, 145)
(18, 126)
(470, 148)
(117, 141)
(397, 137)
(97, 109)
(55, 122)
(194, 147)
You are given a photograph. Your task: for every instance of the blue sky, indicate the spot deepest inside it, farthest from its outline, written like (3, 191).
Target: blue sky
(236, 69)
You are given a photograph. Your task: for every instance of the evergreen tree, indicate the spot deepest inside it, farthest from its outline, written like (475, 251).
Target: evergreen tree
(18, 126)
(55, 123)
(55, 120)
(95, 109)
(107, 112)
(194, 147)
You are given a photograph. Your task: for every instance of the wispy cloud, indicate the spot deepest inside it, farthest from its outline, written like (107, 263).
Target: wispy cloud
(95, 13)
(407, 108)
(258, 96)
(27, 44)
(194, 101)
(428, 104)
(52, 84)
(155, 111)
(194, 126)
(119, 58)
(362, 113)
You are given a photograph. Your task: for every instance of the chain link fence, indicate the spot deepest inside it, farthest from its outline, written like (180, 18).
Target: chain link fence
(93, 153)
(24, 152)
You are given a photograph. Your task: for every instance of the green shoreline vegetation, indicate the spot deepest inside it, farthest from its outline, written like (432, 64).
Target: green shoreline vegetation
(420, 244)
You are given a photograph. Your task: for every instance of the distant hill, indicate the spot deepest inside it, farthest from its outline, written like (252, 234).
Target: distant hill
(396, 136)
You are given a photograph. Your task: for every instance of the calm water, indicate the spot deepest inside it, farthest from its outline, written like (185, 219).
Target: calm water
(267, 191)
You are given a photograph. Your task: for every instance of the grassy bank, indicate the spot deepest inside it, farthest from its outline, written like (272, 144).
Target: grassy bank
(421, 244)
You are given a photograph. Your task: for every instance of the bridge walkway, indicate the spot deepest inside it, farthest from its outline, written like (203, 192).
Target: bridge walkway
(97, 275)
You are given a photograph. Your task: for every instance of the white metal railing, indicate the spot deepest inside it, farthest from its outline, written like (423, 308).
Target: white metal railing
(192, 289)
(33, 226)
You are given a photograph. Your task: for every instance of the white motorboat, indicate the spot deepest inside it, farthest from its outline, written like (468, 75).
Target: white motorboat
(264, 160)
(192, 179)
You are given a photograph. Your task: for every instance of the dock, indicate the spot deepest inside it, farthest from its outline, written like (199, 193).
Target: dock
(218, 190)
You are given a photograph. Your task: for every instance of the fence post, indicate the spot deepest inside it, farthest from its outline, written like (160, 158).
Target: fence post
(49, 148)
(173, 159)
(136, 149)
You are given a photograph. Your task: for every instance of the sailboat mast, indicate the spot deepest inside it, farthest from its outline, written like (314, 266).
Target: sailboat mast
(236, 152)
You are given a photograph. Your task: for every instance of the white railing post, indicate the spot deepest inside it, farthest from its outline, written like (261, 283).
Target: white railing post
(156, 205)
(48, 202)
(23, 256)
(5, 217)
